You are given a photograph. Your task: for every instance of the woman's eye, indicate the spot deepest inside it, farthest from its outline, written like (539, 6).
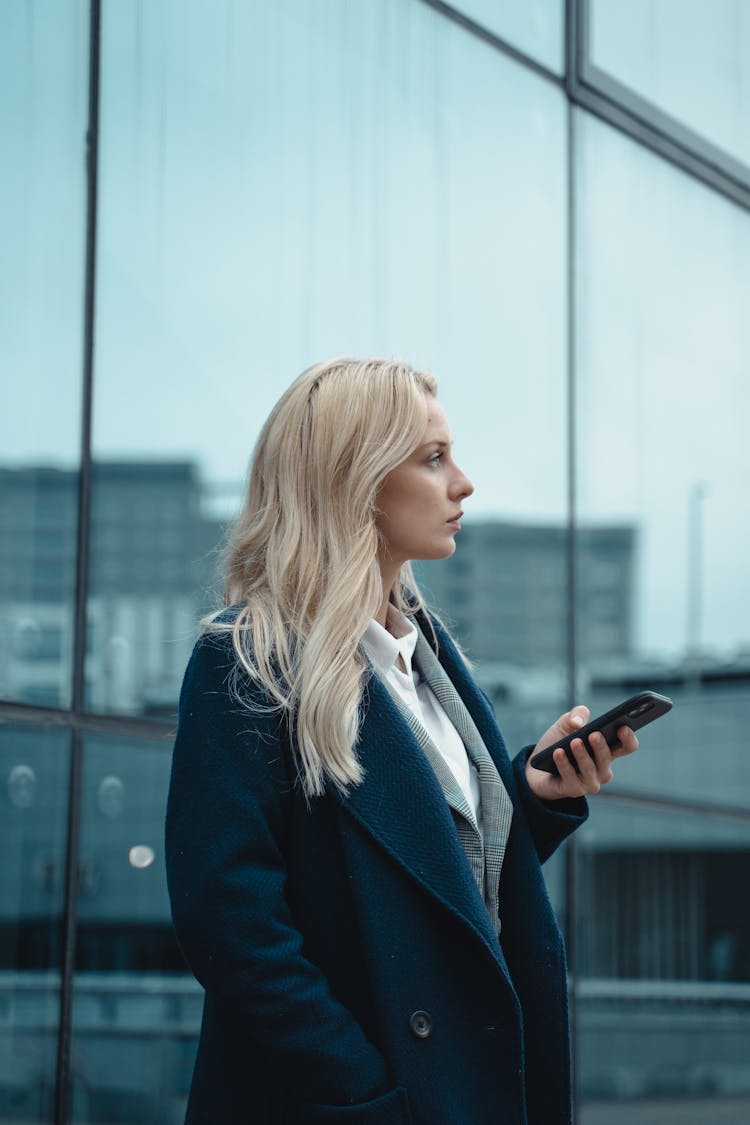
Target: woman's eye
(435, 459)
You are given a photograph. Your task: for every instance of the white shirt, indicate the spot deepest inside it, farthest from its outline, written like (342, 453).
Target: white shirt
(383, 648)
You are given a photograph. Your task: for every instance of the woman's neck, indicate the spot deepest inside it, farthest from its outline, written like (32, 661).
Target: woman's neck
(388, 576)
(382, 615)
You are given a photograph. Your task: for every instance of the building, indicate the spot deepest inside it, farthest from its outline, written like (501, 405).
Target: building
(547, 205)
(507, 589)
(152, 574)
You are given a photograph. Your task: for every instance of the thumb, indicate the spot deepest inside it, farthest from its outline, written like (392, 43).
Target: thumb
(577, 716)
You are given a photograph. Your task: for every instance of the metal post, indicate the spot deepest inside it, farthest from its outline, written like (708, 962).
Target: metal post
(62, 1082)
(572, 32)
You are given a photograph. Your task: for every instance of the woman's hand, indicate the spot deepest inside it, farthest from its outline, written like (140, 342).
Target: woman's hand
(592, 772)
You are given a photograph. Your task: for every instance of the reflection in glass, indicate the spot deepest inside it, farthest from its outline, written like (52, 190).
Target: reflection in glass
(33, 799)
(136, 1008)
(504, 594)
(689, 59)
(663, 954)
(153, 556)
(43, 112)
(533, 26)
(663, 343)
(302, 181)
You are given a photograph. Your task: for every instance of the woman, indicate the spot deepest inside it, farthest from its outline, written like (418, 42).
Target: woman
(353, 860)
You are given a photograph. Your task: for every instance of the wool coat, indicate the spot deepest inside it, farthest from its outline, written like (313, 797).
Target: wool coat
(351, 970)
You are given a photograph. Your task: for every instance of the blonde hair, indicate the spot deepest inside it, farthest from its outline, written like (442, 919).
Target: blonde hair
(302, 559)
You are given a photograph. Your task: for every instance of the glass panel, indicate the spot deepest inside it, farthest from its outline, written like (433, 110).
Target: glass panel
(299, 181)
(43, 112)
(663, 953)
(663, 461)
(535, 27)
(689, 58)
(34, 767)
(136, 1009)
(505, 594)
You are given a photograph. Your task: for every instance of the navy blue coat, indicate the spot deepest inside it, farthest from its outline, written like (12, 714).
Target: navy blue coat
(351, 970)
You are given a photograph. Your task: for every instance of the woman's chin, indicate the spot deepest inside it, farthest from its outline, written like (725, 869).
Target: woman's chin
(441, 551)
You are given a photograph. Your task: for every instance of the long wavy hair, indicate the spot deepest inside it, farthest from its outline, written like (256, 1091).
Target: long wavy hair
(302, 559)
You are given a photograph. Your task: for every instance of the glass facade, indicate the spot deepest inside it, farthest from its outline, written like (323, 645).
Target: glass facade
(34, 766)
(685, 58)
(536, 28)
(136, 1011)
(663, 965)
(282, 182)
(43, 110)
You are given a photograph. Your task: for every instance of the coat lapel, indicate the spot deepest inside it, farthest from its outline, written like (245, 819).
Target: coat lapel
(451, 789)
(497, 808)
(400, 804)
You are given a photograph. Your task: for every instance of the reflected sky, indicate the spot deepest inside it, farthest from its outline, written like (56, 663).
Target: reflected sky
(663, 395)
(282, 183)
(535, 27)
(687, 57)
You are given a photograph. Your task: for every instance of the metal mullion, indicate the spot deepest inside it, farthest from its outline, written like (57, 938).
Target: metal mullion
(62, 1082)
(571, 850)
(21, 713)
(123, 725)
(496, 41)
(571, 433)
(664, 125)
(643, 122)
(624, 118)
(619, 117)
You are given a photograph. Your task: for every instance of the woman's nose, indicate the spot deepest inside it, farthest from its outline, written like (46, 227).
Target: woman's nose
(462, 486)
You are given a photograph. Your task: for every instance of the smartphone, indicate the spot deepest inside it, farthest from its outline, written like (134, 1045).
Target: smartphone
(634, 713)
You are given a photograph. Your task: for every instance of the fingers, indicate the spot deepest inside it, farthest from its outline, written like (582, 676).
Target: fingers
(628, 743)
(572, 781)
(602, 760)
(603, 754)
(592, 771)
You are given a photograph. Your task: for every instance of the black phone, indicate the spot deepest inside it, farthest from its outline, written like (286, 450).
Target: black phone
(634, 713)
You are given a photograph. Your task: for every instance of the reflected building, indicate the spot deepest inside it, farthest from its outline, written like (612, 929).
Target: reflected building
(153, 565)
(37, 583)
(506, 586)
(153, 556)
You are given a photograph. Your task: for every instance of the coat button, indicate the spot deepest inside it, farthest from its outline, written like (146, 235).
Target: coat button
(421, 1024)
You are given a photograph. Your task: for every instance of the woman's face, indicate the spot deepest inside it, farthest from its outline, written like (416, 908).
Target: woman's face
(419, 503)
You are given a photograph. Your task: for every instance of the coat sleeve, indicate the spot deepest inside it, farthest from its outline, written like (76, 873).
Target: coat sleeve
(550, 822)
(226, 876)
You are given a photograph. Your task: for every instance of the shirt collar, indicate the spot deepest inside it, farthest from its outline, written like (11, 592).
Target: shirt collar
(384, 646)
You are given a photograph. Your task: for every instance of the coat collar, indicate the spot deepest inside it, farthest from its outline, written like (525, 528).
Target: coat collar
(400, 802)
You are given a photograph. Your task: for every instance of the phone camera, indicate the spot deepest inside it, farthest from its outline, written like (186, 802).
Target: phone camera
(640, 710)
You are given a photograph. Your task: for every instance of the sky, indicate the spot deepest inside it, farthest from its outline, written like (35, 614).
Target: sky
(284, 183)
